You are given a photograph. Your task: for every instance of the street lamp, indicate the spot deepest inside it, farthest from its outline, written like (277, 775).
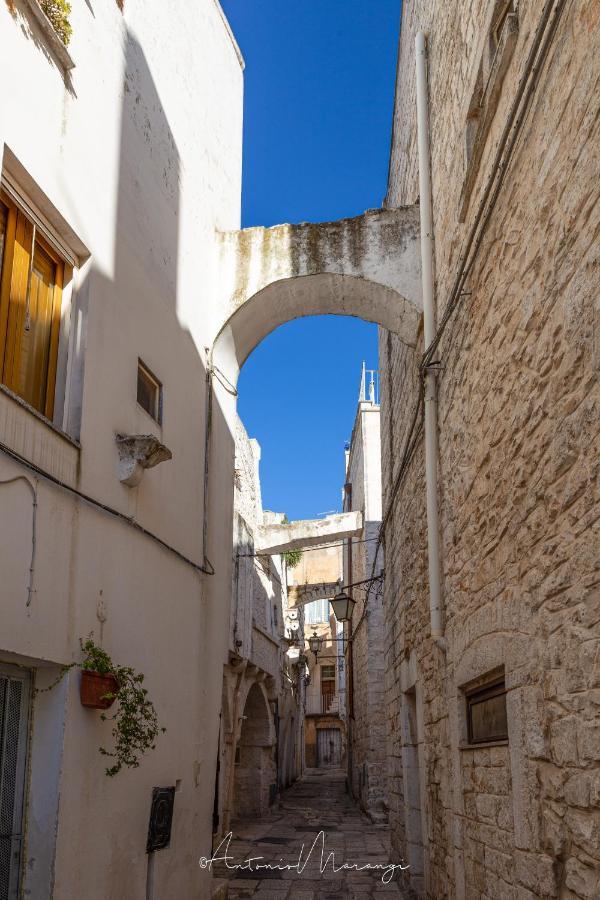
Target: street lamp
(343, 606)
(314, 642)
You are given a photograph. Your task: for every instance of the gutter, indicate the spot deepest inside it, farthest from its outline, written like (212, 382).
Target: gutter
(430, 371)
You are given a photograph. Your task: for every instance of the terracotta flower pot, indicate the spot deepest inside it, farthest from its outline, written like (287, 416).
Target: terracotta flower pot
(94, 687)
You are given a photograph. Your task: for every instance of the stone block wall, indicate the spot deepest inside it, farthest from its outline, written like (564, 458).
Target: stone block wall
(519, 419)
(489, 826)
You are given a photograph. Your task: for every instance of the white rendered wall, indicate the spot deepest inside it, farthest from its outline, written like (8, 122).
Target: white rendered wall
(140, 153)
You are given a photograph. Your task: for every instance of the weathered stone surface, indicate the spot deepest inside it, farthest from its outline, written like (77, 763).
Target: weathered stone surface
(519, 418)
(280, 537)
(366, 266)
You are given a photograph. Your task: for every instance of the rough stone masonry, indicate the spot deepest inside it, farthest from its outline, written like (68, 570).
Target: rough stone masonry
(519, 416)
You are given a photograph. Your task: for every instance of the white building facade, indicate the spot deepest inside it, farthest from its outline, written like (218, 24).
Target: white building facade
(112, 195)
(363, 568)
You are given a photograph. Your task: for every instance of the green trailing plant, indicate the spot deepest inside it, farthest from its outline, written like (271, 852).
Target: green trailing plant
(58, 12)
(135, 723)
(292, 557)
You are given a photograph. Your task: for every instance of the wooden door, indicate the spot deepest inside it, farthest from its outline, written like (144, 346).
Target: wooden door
(329, 747)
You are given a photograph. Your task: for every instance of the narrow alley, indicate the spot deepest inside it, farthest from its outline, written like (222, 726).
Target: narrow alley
(316, 812)
(299, 431)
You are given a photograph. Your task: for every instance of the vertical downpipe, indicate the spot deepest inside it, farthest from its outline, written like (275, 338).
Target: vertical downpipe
(150, 876)
(350, 661)
(431, 426)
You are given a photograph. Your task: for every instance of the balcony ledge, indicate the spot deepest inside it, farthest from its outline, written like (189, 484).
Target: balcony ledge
(52, 39)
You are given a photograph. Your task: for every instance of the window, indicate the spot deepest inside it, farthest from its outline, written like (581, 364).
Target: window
(492, 64)
(149, 392)
(486, 713)
(316, 612)
(327, 688)
(31, 282)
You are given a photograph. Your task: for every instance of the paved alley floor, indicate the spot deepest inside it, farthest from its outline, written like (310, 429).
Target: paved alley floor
(314, 813)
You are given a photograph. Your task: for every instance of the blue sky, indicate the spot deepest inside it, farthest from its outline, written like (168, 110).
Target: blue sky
(319, 86)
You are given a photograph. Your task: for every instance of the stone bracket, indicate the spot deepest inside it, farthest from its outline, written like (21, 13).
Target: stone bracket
(138, 452)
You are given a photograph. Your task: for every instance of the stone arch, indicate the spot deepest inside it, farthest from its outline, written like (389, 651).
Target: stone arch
(255, 773)
(368, 267)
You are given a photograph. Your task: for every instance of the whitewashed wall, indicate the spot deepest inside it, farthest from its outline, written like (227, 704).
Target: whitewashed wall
(138, 152)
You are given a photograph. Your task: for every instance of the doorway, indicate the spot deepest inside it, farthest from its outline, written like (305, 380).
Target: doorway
(15, 688)
(255, 772)
(413, 801)
(329, 748)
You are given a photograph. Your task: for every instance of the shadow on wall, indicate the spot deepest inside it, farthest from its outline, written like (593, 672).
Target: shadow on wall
(135, 315)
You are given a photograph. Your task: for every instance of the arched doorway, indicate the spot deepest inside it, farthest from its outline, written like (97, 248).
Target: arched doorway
(255, 775)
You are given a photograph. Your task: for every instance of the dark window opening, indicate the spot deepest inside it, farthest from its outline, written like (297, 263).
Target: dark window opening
(486, 713)
(149, 392)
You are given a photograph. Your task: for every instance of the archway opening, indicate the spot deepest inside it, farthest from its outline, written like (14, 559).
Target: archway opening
(259, 622)
(255, 772)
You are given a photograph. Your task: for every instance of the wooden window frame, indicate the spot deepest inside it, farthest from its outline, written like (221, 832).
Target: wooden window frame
(151, 377)
(15, 284)
(480, 694)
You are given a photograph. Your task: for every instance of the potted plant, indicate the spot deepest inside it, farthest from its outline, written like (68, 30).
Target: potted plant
(99, 685)
(135, 723)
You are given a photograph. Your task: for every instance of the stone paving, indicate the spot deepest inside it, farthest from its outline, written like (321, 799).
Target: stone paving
(317, 803)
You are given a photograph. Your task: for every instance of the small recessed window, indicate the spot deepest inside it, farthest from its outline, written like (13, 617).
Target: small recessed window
(486, 713)
(149, 392)
(327, 672)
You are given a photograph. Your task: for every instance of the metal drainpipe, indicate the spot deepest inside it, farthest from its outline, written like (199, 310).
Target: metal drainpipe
(430, 395)
(350, 660)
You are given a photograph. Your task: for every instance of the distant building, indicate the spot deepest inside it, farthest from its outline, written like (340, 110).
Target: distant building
(325, 706)
(363, 561)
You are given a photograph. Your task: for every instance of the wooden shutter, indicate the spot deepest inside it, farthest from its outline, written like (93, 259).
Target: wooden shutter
(30, 303)
(3, 221)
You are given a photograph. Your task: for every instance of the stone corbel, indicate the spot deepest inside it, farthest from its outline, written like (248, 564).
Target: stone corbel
(136, 453)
